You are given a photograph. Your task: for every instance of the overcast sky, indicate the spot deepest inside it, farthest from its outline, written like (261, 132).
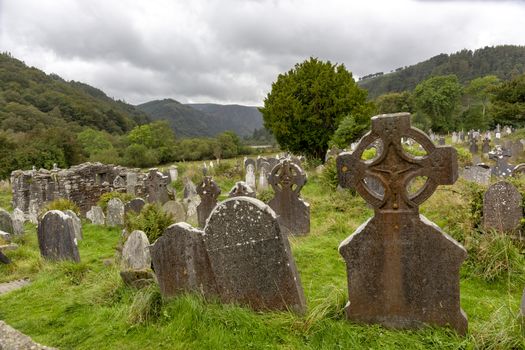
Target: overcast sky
(230, 51)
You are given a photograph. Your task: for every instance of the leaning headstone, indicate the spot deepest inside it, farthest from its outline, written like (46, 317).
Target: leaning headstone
(115, 213)
(250, 175)
(136, 261)
(6, 222)
(403, 271)
(189, 188)
(181, 263)
(209, 192)
(135, 205)
(157, 186)
(477, 174)
(176, 210)
(251, 258)
(502, 208)
(77, 225)
(96, 215)
(287, 179)
(18, 221)
(56, 237)
(241, 189)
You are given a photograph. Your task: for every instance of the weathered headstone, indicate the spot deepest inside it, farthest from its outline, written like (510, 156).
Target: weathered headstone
(287, 179)
(135, 205)
(208, 191)
(115, 213)
(6, 222)
(189, 188)
(241, 189)
(77, 225)
(259, 161)
(250, 175)
(131, 182)
(403, 271)
(173, 173)
(56, 237)
(176, 210)
(264, 170)
(119, 182)
(250, 257)
(485, 148)
(157, 187)
(516, 150)
(181, 262)
(136, 261)
(18, 221)
(454, 137)
(502, 168)
(96, 215)
(249, 161)
(477, 174)
(473, 148)
(502, 208)
(441, 141)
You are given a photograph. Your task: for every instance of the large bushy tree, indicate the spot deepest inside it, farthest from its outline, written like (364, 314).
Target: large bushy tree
(508, 105)
(306, 105)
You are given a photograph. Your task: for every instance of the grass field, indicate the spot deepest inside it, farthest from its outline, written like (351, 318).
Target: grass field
(87, 306)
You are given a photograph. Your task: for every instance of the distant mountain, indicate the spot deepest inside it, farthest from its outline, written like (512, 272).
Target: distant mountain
(204, 119)
(30, 99)
(505, 61)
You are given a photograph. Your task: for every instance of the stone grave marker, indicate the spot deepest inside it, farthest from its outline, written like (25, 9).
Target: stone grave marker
(115, 212)
(249, 161)
(136, 260)
(250, 175)
(157, 187)
(19, 219)
(176, 210)
(441, 141)
(516, 150)
(173, 173)
(189, 188)
(251, 258)
(473, 147)
(56, 237)
(241, 189)
(96, 215)
(502, 208)
(6, 222)
(454, 137)
(77, 225)
(208, 191)
(131, 182)
(287, 179)
(403, 271)
(501, 156)
(485, 148)
(181, 262)
(477, 174)
(119, 182)
(259, 161)
(135, 205)
(264, 170)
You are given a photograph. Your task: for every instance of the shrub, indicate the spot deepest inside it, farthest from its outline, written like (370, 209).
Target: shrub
(61, 204)
(153, 220)
(464, 157)
(106, 197)
(505, 329)
(475, 192)
(329, 175)
(265, 196)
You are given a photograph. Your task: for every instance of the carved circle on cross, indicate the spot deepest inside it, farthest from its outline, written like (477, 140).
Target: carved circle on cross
(287, 175)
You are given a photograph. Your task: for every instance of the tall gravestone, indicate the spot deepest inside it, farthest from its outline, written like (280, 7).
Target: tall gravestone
(131, 182)
(173, 173)
(250, 257)
(18, 221)
(287, 179)
(56, 237)
(241, 189)
(250, 175)
(502, 208)
(157, 187)
(403, 271)
(77, 225)
(264, 170)
(115, 212)
(209, 192)
(181, 263)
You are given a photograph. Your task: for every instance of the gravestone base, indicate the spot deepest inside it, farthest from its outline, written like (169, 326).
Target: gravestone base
(137, 278)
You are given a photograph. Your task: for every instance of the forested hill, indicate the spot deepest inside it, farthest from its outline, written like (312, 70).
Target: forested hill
(205, 119)
(31, 99)
(505, 62)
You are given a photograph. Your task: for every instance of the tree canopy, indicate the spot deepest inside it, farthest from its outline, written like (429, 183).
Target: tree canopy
(306, 105)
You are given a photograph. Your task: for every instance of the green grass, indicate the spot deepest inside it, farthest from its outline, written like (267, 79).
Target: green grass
(87, 306)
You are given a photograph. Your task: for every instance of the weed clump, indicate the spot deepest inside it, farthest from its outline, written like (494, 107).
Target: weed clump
(61, 204)
(106, 197)
(153, 220)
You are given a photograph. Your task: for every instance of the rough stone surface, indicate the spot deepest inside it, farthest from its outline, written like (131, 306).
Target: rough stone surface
(4, 259)
(11, 339)
(115, 213)
(56, 237)
(176, 210)
(241, 189)
(173, 173)
(191, 204)
(77, 225)
(135, 253)
(403, 271)
(208, 191)
(157, 187)
(287, 179)
(96, 215)
(264, 170)
(250, 175)
(522, 309)
(18, 221)
(134, 205)
(477, 174)
(181, 262)
(250, 257)
(6, 236)
(6, 222)
(189, 188)
(83, 184)
(502, 209)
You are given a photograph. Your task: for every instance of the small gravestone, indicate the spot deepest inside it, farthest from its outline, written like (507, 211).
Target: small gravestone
(115, 213)
(273, 162)
(77, 225)
(249, 161)
(502, 208)
(250, 175)
(96, 215)
(264, 170)
(259, 161)
(33, 211)
(18, 221)
(56, 237)
(501, 156)
(173, 173)
(208, 191)
(517, 150)
(157, 187)
(454, 137)
(241, 189)
(190, 205)
(131, 182)
(6, 222)
(135, 205)
(119, 182)
(473, 148)
(176, 210)
(403, 271)
(485, 148)
(441, 141)
(189, 188)
(287, 179)
(477, 174)
(136, 260)
(181, 263)
(250, 257)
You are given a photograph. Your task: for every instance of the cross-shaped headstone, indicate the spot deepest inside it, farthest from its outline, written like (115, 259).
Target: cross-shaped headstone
(403, 271)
